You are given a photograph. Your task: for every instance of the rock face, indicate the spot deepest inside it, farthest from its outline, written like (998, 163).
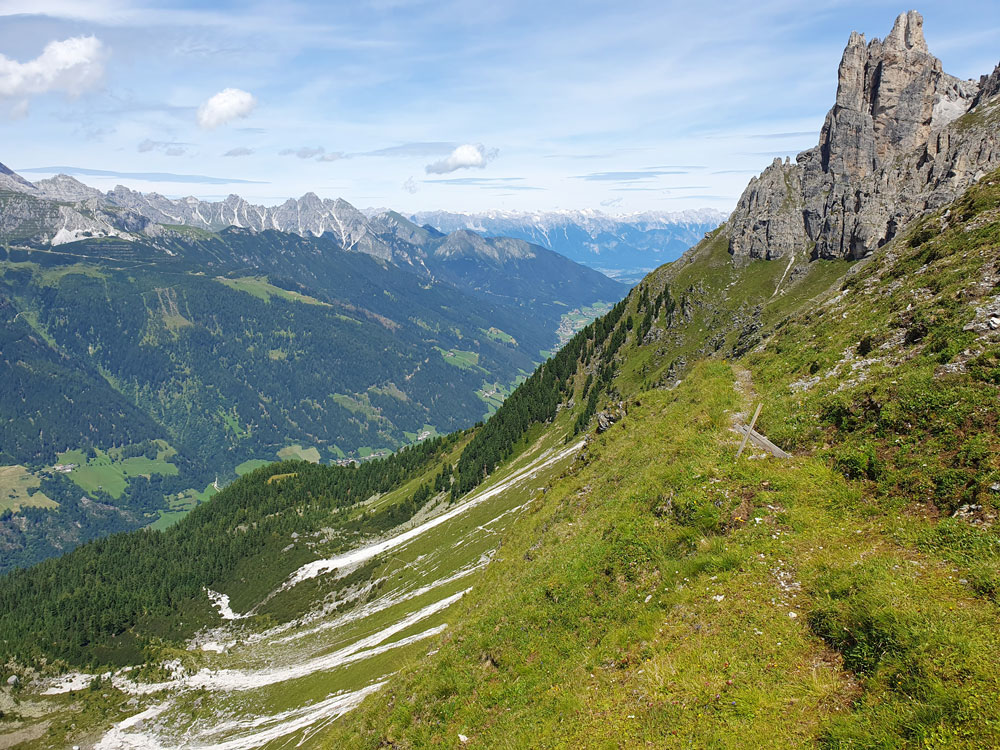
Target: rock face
(768, 220)
(65, 188)
(902, 138)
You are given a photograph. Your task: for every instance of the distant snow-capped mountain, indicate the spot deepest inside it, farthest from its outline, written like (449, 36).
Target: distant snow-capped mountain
(625, 247)
(61, 209)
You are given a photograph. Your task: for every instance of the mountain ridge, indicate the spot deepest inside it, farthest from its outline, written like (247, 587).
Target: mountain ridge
(84, 212)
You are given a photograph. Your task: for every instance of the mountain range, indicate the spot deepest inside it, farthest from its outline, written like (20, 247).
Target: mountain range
(625, 247)
(754, 504)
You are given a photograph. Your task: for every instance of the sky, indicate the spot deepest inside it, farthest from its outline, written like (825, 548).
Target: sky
(458, 105)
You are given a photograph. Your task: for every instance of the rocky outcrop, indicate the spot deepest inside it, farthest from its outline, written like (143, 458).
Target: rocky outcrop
(989, 87)
(610, 416)
(903, 137)
(465, 242)
(10, 180)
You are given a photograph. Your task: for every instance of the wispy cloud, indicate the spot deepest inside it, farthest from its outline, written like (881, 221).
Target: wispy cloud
(318, 153)
(149, 176)
(488, 183)
(168, 148)
(774, 154)
(415, 149)
(685, 167)
(239, 151)
(778, 136)
(609, 154)
(664, 189)
(638, 176)
(475, 181)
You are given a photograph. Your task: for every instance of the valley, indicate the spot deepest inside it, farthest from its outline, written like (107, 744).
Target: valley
(624, 247)
(229, 349)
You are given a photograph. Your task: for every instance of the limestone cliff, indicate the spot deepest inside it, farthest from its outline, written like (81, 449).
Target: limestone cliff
(903, 137)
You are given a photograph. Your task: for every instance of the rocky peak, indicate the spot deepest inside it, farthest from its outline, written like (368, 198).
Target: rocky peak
(62, 187)
(907, 33)
(885, 97)
(310, 201)
(989, 86)
(890, 148)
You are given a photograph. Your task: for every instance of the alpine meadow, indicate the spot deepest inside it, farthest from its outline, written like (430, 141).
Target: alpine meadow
(547, 456)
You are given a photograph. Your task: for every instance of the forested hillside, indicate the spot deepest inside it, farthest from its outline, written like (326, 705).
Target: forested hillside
(236, 349)
(152, 584)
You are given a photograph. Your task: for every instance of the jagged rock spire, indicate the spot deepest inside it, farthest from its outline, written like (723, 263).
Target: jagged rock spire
(886, 153)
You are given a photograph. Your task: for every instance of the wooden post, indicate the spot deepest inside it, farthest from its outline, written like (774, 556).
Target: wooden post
(749, 430)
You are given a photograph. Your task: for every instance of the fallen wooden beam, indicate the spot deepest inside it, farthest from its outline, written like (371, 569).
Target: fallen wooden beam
(747, 434)
(761, 442)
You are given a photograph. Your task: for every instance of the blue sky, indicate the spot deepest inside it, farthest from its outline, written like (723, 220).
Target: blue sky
(461, 104)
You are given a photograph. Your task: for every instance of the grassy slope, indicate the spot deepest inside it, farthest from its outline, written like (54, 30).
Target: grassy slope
(895, 635)
(19, 489)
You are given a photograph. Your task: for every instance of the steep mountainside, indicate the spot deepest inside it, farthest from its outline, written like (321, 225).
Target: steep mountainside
(597, 565)
(623, 247)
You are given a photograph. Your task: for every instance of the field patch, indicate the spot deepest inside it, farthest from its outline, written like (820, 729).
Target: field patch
(298, 452)
(461, 359)
(502, 336)
(577, 318)
(261, 288)
(357, 405)
(426, 432)
(109, 472)
(180, 505)
(254, 463)
(19, 489)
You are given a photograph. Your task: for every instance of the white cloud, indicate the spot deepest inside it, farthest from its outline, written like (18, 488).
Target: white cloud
(239, 151)
(226, 106)
(410, 186)
(71, 66)
(466, 156)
